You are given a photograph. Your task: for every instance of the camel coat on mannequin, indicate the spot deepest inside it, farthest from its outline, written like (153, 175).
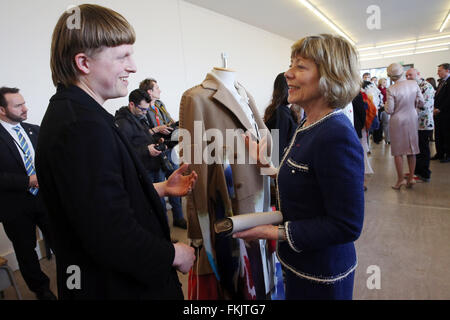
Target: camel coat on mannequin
(213, 107)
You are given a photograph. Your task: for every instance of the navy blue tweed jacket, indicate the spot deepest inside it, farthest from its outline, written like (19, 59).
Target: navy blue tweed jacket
(320, 193)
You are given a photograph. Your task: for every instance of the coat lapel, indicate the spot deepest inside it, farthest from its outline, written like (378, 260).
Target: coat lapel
(224, 96)
(9, 141)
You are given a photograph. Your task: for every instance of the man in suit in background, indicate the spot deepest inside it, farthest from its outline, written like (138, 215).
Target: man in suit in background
(22, 206)
(442, 114)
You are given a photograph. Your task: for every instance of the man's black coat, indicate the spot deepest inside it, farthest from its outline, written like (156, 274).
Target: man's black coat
(105, 214)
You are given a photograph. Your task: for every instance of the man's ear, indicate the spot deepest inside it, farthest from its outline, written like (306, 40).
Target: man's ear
(2, 111)
(82, 63)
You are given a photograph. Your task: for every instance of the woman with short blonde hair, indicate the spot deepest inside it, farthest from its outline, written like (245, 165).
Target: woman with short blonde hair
(321, 176)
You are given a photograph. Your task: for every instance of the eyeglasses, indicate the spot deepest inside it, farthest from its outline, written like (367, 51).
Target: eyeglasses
(141, 108)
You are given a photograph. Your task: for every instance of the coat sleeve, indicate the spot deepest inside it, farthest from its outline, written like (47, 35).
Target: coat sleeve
(192, 146)
(89, 173)
(390, 102)
(339, 170)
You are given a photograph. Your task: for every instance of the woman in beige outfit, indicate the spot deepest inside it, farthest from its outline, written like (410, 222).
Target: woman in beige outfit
(402, 100)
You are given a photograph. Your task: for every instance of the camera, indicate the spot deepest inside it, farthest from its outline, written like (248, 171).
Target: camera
(160, 147)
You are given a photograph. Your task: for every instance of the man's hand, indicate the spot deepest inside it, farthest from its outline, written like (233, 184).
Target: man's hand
(179, 185)
(436, 111)
(153, 151)
(33, 182)
(184, 257)
(162, 129)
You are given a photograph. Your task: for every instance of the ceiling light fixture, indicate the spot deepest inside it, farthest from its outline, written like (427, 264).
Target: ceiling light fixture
(434, 45)
(403, 43)
(397, 50)
(368, 54)
(445, 21)
(435, 50)
(434, 38)
(403, 54)
(398, 55)
(396, 44)
(322, 17)
(367, 48)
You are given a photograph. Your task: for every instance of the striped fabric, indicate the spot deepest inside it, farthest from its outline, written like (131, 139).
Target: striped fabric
(27, 157)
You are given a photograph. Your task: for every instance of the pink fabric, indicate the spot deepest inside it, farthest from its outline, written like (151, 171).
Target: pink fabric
(402, 99)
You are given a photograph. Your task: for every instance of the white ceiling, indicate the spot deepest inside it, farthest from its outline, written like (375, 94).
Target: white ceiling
(400, 19)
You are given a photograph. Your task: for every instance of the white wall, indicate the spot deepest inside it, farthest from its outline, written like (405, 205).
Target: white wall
(177, 43)
(426, 63)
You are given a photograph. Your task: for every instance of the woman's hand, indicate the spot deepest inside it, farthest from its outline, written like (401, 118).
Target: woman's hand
(266, 231)
(178, 184)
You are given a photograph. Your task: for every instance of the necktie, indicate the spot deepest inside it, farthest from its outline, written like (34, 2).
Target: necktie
(441, 84)
(27, 157)
(155, 109)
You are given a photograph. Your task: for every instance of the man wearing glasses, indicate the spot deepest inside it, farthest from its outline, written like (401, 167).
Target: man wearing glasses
(132, 121)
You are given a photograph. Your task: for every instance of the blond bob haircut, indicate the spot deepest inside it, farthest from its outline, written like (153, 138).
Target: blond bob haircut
(99, 27)
(337, 61)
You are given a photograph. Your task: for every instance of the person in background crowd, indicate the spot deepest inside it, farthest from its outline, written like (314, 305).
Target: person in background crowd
(432, 81)
(105, 214)
(442, 115)
(426, 125)
(321, 178)
(22, 206)
(161, 125)
(132, 122)
(384, 117)
(403, 98)
(278, 114)
(374, 80)
(359, 122)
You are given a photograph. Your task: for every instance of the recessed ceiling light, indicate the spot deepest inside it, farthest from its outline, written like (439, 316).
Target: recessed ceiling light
(397, 50)
(395, 44)
(434, 38)
(322, 17)
(445, 21)
(435, 50)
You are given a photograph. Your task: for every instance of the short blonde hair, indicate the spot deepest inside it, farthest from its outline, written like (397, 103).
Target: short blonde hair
(381, 81)
(337, 61)
(99, 27)
(395, 71)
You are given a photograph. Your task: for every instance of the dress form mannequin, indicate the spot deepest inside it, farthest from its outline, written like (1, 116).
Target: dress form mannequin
(226, 76)
(223, 190)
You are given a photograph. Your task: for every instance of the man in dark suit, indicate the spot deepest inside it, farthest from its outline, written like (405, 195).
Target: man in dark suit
(442, 115)
(112, 239)
(22, 206)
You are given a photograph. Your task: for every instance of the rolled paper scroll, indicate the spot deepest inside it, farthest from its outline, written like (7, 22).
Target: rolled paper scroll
(246, 221)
